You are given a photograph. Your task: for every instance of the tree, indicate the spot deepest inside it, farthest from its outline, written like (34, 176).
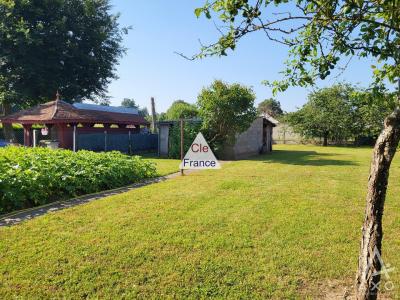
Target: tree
(180, 109)
(328, 114)
(226, 110)
(67, 45)
(371, 110)
(131, 103)
(271, 107)
(319, 34)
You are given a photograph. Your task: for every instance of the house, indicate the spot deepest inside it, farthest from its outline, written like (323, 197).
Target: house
(257, 139)
(64, 121)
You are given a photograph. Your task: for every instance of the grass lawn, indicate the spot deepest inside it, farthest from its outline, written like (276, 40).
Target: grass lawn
(285, 225)
(165, 166)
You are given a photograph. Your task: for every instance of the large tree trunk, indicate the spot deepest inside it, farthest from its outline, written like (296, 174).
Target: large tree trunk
(325, 140)
(369, 262)
(7, 128)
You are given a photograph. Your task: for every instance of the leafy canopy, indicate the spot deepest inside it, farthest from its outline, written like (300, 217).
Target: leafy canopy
(271, 107)
(319, 33)
(341, 112)
(226, 110)
(328, 113)
(180, 109)
(131, 103)
(66, 45)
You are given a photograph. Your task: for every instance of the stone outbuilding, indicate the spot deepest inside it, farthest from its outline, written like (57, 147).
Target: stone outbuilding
(257, 139)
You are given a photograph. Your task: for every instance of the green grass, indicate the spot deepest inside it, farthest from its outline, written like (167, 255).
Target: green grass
(164, 166)
(284, 225)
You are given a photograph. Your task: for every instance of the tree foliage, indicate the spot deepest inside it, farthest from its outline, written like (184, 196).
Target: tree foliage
(271, 107)
(328, 114)
(66, 45)
(131, 103)
(341, 113)
(319, 34)
(226, 110)
(180, 109)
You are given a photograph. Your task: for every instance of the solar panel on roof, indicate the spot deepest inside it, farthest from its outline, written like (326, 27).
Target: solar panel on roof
(114, 109)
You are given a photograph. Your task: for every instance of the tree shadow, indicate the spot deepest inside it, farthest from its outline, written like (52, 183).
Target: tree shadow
(304, 158)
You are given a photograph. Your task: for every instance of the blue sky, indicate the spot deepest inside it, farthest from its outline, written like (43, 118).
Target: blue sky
(151, 68)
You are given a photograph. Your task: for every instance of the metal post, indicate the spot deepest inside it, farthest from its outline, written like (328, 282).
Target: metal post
(35, 132)
(181, 144)
(105, 140)
(74, 139)
(130, 143)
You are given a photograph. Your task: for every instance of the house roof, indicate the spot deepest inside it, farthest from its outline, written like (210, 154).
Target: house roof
(58, 111)
(270, 119)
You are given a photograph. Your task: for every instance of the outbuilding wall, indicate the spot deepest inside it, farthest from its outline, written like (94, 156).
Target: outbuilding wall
(250, 142)
(163, 131)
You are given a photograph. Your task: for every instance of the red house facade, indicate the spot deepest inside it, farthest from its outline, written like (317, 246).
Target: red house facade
(65, 120)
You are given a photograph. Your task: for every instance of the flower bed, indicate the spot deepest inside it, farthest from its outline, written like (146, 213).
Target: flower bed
(36, 176)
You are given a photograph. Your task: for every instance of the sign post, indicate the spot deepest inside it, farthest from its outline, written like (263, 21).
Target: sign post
(181, 121)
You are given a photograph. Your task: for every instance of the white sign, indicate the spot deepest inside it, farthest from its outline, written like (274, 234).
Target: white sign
(199, 156)
(45, 131)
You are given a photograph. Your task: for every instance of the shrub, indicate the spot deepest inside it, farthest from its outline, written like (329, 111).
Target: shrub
(36, 176)
(191, 129)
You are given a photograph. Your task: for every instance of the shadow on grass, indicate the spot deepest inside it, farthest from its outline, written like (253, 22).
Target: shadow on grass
(304, 158)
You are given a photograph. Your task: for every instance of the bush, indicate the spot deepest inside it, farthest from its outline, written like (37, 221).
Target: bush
(190, 129)
(36, 176)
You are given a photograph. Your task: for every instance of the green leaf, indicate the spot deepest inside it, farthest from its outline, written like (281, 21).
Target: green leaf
(198, 11)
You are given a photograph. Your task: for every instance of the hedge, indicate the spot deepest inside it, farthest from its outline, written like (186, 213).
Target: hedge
(35, 176)
(191, 129)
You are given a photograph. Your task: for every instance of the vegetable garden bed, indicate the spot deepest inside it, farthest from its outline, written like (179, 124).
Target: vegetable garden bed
(35, 176)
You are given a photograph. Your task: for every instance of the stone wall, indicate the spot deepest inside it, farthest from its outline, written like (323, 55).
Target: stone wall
(283, 134)
(248, 143)
(163, 140)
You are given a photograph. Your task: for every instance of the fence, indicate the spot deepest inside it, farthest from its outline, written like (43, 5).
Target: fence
(124, 142)
(18, 133)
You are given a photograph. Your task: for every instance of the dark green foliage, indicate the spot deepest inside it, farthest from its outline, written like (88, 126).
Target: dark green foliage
(191, 129)
(66, 45)
(341, 113)
(180, 109)
(371, 109)
(226, 110)
(36, 176)
(131, 103)
(271, 107)
(328, 114)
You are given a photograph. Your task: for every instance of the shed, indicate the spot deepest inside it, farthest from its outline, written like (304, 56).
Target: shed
(257, 139)
(65, 120)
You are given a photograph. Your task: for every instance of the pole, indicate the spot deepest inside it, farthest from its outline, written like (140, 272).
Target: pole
(181, 121)
(74, 139)
(34, 138)
(153, 115)
(130, 143)
(105, 140)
